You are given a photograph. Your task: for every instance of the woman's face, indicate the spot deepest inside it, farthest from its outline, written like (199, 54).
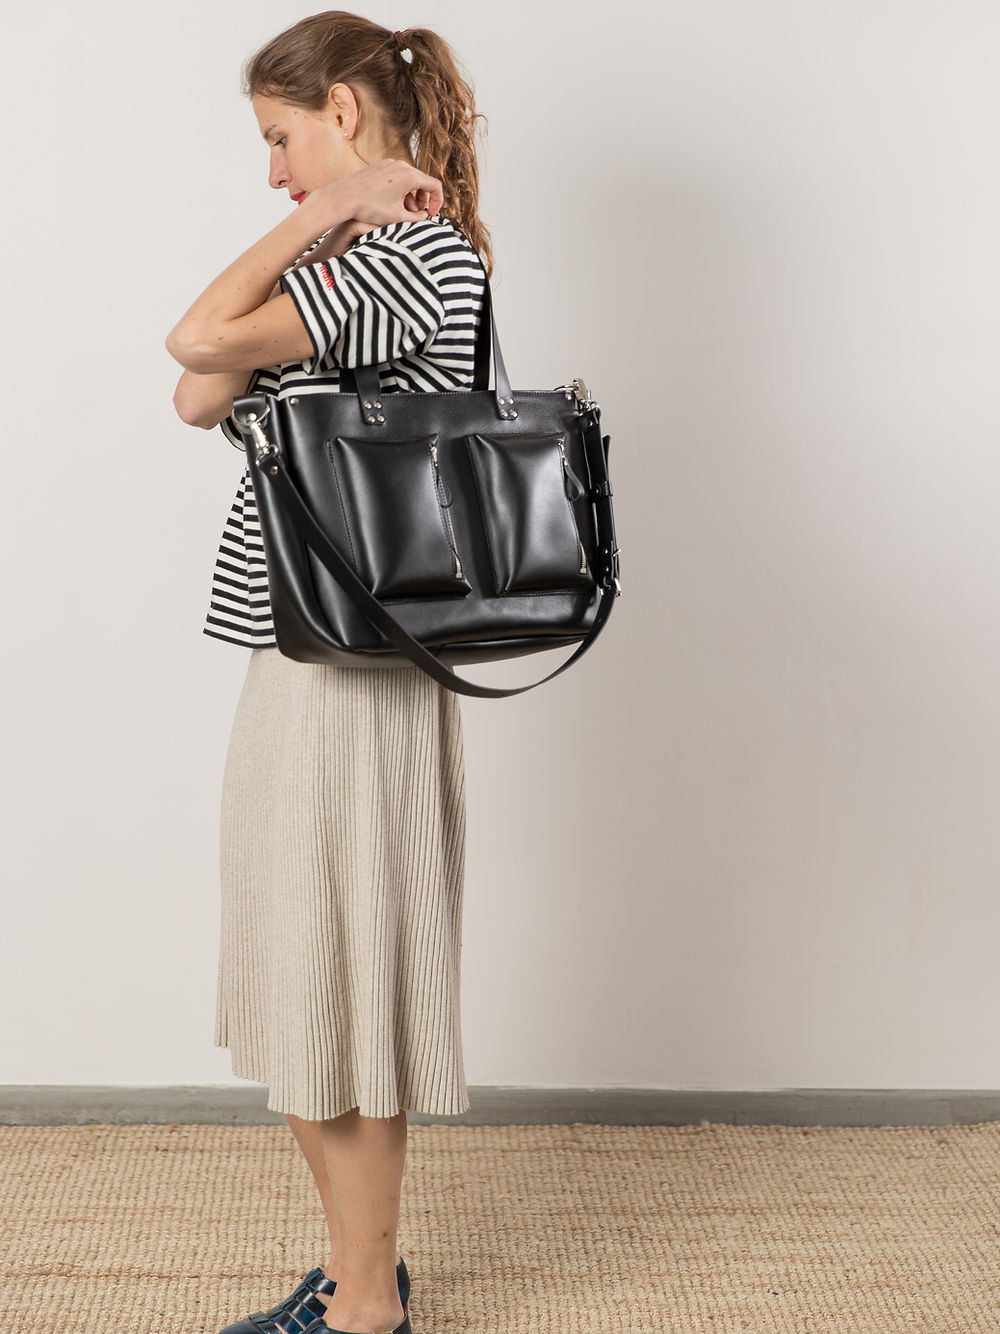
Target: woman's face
(308, 148)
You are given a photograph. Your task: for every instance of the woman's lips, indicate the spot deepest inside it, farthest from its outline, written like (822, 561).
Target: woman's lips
(297, 199)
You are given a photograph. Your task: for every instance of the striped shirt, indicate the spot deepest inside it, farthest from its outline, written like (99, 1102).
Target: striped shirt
(406, 297)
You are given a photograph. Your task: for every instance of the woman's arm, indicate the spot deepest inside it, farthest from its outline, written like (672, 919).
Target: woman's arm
(234, 327)
(205, 400)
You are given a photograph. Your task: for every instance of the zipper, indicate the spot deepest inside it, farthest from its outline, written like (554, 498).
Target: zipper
(443, 506)
(565, 469)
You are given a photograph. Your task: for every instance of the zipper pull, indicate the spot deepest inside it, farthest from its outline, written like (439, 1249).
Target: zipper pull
(445, 499)
(574, 491)
(444, 495)
(574, 488)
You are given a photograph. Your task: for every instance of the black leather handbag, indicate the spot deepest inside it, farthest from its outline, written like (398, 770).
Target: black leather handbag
(434, 528)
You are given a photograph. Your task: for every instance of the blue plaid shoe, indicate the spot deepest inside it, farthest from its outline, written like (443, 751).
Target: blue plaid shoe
(317, 1327)
(303, 1307)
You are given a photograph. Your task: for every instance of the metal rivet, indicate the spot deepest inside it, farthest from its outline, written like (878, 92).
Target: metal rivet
(274, 470)
(367, 404)
(380, 417)
(293, 400)
(513, 413)
(376, 404)
(371, 419)
(504, 414)
(251, 416)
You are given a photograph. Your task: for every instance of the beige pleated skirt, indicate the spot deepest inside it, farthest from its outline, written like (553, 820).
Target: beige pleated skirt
(342, 871)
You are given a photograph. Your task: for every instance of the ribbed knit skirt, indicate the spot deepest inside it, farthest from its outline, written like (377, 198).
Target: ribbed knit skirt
(342, 870)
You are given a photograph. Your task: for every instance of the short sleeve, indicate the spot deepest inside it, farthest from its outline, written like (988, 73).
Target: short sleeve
(373, 304)
(231, 433)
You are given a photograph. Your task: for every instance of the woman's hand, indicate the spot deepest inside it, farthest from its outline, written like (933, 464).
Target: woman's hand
(383, 192)
(374, 200)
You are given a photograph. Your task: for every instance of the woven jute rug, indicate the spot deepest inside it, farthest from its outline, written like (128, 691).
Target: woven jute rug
(707, 1229)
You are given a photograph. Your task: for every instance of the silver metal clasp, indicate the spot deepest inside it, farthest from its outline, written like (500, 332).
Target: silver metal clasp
(580, 391)
(264, 446)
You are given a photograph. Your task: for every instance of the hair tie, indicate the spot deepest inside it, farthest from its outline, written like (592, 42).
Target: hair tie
(402, 48)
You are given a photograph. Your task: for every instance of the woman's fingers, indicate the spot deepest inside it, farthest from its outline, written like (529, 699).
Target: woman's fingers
(421, 198)
(391, 184)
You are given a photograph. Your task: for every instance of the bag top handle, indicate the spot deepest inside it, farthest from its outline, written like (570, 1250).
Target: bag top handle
(364, 380)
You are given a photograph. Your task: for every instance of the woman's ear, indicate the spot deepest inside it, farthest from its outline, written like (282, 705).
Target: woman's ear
(342, 106)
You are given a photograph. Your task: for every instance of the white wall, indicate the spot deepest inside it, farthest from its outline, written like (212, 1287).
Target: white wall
(751, 842)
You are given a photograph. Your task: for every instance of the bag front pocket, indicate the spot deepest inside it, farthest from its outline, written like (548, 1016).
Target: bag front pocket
(394, 507)
(524, 484)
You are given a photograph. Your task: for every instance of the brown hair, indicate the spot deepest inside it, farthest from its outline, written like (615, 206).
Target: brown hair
(426, 96)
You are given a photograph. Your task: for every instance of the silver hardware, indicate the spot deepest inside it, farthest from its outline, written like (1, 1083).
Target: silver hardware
(439, 486)
(264, 446)
(367, 404)
(565, 466)
(582, 394)
(513, 411)
(502, 412)
(380, 417)
(293, 401)
(376, 404)
(614, 578)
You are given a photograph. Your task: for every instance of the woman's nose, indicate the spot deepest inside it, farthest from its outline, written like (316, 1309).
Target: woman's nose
(278, 176)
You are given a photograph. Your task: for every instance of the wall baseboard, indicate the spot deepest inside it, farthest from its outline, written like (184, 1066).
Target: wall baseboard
(237, 1104)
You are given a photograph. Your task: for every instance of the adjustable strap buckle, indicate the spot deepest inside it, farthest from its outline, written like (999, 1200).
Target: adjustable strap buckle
(610, 574)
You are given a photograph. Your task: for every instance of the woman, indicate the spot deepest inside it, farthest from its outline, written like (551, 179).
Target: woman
(343, 815)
